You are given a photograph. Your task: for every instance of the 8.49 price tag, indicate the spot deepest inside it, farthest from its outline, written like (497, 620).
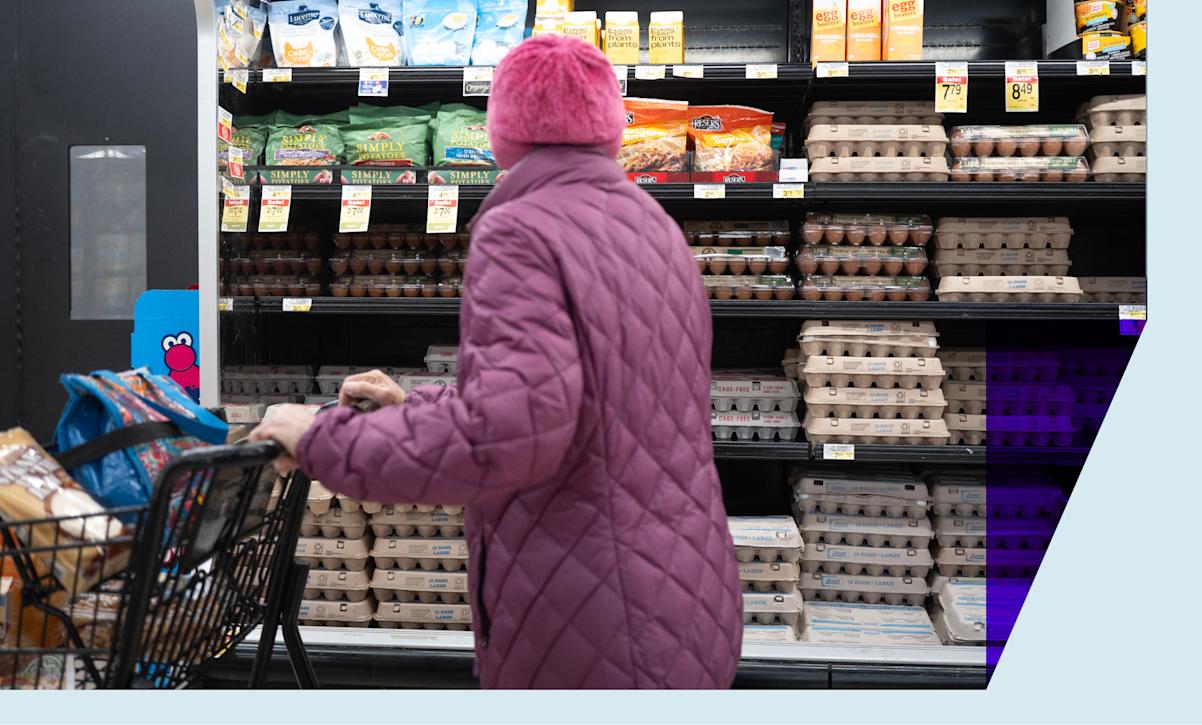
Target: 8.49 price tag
(1022, 87)
(951, 87)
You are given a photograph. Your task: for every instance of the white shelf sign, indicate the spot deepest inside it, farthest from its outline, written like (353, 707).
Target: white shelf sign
(839, 452)
(274, 206)
(442, 209)
(356, 209)
(477, 80)
(833, 70)
(709, 191)
(373, 82)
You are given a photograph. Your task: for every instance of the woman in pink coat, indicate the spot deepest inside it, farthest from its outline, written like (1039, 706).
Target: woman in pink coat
(578, 434)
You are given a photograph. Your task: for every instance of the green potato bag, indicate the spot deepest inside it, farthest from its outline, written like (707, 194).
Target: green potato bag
(250, 135)
(396, 141)
(461, 137)
(305, 140)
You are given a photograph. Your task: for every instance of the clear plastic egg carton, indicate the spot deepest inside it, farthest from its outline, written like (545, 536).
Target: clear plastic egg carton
(333, 554)
(908, 590)
(738, 233)
(1125, 110)
(765, 539)
(1071, 139)
(866, 561)
(1010, 563)
(848, 260)
(1009, 289)
(409, 381)
(1009, 170)
(898, 168)
(334, 523)
(876, 531)
(772, 608)
(353, 586)
(875, 140)
(747, 287)
(1113, 170)
(1118, 142)
(864, 431)
(869, 338)
(442, 359)
(961, 610)
(393, 521)
(406, 615)
(970, 532)
(893, 626)
(1002, 262)
(322, 613)
(906, 113)
(874, 229)
(419, 553)
(873, 372)
(755, 425)
(1003, 233)
(763, 577)
(426, 587)
(741, 261)
(349, 504)
(1118, 290)
(771, 633)
(912, 404)
(857, 289)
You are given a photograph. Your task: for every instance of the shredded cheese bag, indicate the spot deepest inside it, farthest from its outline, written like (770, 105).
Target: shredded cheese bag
(302, 33)
(731, 138)
(371, 32)
(656, 137)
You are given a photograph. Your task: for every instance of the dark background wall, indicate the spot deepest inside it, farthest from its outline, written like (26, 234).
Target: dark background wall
(9, 376)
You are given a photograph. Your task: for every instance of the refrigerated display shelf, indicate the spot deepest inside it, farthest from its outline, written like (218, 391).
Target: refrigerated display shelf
(962, 455)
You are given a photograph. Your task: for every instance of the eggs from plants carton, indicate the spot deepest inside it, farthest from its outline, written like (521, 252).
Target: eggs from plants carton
(903, 30)
(622, 37)
(665, 37)
(829, 31)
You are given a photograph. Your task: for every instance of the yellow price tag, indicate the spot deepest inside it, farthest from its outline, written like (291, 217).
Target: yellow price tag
(1133, 312)
(839, 452)
(297, 304)
(442, 209)
(688, 71)
(1022, 87)
(649, 72)
(356, 209)
(762, 72)
(239, 78)
(225, 304)
(1093, 67)
(951, 87)
(235, 211)
(709, 191)
(274, 206)
(277, 75)
(242, 56)
(225, 125)
(788, 191)
(833, 70)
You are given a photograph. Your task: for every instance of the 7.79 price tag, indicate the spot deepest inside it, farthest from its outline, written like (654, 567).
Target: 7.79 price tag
(1022, 87)
(951, 87)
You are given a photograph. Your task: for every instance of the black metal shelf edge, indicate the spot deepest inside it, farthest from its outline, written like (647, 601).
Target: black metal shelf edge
(751, 451)
(971, 455)
(992, 69)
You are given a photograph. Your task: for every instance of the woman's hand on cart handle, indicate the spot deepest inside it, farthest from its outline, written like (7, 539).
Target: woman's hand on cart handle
(374, 386)
(287, 426)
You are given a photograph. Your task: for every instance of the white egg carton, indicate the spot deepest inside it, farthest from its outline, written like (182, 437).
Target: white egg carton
(1118, 141)
(1009, 289)
(874, 112)
(769, 633)
(427, 587)
(772, 608)
(333, 554)
(410, 381)
(765, 539)
(875, 531)
(959, 561)
(820, 480)
(1003, 233)
(791, 362)
(1115, 169)
(734, 425)
(1126, 110)
(908, 590)
(865, 431)
(875, 140)
(413, 553)
(898, 168)
(318, 612)
(442, 359)
(910, 404)
(970, 532)
(336, 585)
(390, 521)
(742, 393)
(269, 380)
(822, 633)
(866, 561)
(775, 576)
(1002, 262)
(964, 606)
(872, 372)
(349, 504)
(320, 498)
(406, 615)
(1118, 290)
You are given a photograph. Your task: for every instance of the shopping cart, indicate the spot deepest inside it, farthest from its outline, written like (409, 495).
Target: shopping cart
(184, 580)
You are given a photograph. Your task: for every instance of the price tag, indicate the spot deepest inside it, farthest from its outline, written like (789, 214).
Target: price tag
(788, 191)
(274, 206)
(234, 155)
(688, 71)
(227, 187)
(239, 77)
(240, 8)
(951, 87)
(225, 304)
(242, 56)
(236, 210)
(1139, 67)
(356, 209)
(833, 70)
(225, 64)
(1022, 87)
(373, 82)
(225, 125)
(442, 209)
(238, 25)
(838, 452)
(794, 171)
(297, 304)
(762, 72)
(477, 80)
(277, 75)
(709, 191)
(1132, 319)
(649, 72)
(1093, 67)
(622, 73)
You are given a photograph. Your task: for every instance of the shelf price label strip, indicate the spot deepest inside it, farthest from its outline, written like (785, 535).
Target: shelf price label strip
(442, 209)
(373, 82)
(477, 80)
(1093, 67)
(1022, 87)
(709, 191)
(839, 452)
(297, 304)
(356, 209)
(277, 75)
(833, 70)
(650, 72)
(274, 206)
(951, 87)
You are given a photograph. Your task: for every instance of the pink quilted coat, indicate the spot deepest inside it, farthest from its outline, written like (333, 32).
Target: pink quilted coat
(578, 438)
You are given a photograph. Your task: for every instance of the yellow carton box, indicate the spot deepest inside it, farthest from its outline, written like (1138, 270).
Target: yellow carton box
(829, 31)
(903, 30)
(546, 24)
(622, 37)
(583, 24)
(554, 8)
(863, 29)
(665, 37)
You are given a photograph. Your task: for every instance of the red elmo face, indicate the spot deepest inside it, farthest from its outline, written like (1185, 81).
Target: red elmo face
(178, 352)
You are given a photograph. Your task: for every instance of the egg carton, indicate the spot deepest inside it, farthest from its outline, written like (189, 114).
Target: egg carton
(867, 624)
(862, 431)
(964, 603)
(1119, 290)
(910, 404)
(1009, 289)
(738, 233)
(966, 398)
(763, 287)
(320, 400)
(873, 112)
(875, 229)
(349, 504)
(772, 608)
(268, 380)
(966, 496)
(1011, 430)
(427, 587)
(406, 615)
(876, 531)
(959, 561)
(333, 524)
(1009, 399)
(427, 554)
(333, 554)
(970, 532)
(875, 140)
(410, 381)
(866, 561)
(898, 168)
(908, 590)
(874, 289)
(766, 539)
(1118, 141)
(319, 612)
(769, 426)
(773, 633)
(1115, 169)
(352, 586)
(320, 498)
(425, 508)
(1003, 233)
(409, 522)
(329, 377)
(741, 261)
(763, 577)
(1127, 110)
(1026, 141)
(873, 372)
(1047, 169)
(919, 333)
(819, 480)
(442, 359)
(999, 262)
(731, 391)
(955, 632)
(859, 505)
(891, 261)
(1024, 365)
(853, 346)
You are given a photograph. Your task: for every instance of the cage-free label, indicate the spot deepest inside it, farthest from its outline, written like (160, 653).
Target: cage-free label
(709, 191)
(762, 71)
(833, 70)
(839, 452)
(356, 209)
(1022, 87)
(274, 206)
(297, 304)
(373, 82)
(1093, 67)
(442, 209)
(477, 80)
(650, 72)
(277, 75)
(788, 191)
(951, 87)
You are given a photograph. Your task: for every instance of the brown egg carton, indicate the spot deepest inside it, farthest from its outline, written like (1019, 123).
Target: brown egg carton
(426, 587)
(397, 237)
(293, 241)
(872, 289)
(899, 168)
(1126, 110)
(958, 561)
(906, 113)
(867, 431)
(1009, 289)
(765, 539)
(972, 532)
(965, 397)
(875, 140)
(764, 577)
(1120, 290)
(740, 261)
(764, 287)
(319, 612)
(847, 260)
(392, 263)
(420, 553)
(1114, 169)
(1047, 169)
(406, 615)
(320, 498)
(737, 233)
(857, 530)
(872, 372)
(1003, 233)
(1007, 399)
(274, 286)
(353, 586)
(1025, 141)
(875, 229)
(396, 286)
(333, 554)
(872, 561)
(963, 364)
(333, 524)
(913, 404)
(859, 505)
(409, 523)
(855, 589)
(349, 504)
(1002, 262)
(772, 608)
(1039, 431)
(276, 263)
(1117, 141)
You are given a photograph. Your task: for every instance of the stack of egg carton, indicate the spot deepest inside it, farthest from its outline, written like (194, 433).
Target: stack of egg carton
(1118, 134)
(866, 535)
(329, 379)
(769, 551)
(872, 257)
(1020, 259)
(335, 542)
(872, 382)
(876, 141)
(868, 624)
(1115, 290)
(1093, 374)
(265, 384)
(958, 611)
(1042, 152)
(420, 558)
(746, 405)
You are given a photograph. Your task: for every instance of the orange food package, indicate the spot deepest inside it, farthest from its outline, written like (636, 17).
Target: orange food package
(656, 136)
(731, 138)
(863, 29)
(829, 31)
(903, 30)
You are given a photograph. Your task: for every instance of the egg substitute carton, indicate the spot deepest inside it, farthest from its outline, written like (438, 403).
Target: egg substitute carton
(741, 260)
(333, 524)
(1047, 169)
(763, 287)
(320, 498)
(406, 615)
(869, 338)
(442, 359)
(745, 393)
(772, 608)
(352, 586)
(329, 377)
(1003, 233)
(898, 168)
(405, 522)
(1118, 141)
(766, 539)
(319, 612)
(904, 113)
(875, 229)
(963, 605)
(866, 561)
(349, 504)
(848, 260)
(866, 431)
(1120, 290)
(1128, 110)
(959, 561)
(907, 590)
(873, 372)
(768, 426)
(1009, 289)
(867, 624)
(909, 404)
(427, 587)
(410, 381)
(971, 532)
(875, 140)
(775, 576)
(414, 553)
(857, 289)
(738, 233)
(1115, 169)
(876, 531)
(998, 262)
(769, 633)
(333, 554)
(1026, 141)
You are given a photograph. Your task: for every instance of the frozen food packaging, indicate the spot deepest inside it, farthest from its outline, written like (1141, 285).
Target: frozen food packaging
(910, 404)
(372, 32)
(741, 260)
(767, 539)
(850, 260)
(1118, 141)
(302, 33)
(1003, 233)
(1048, 169)
(733, 391)
(500, 26)
(1002, 262)
(772, 608)
(1009, 289)
(904, 113)
(337, 613)
(1113, 169)
(762, 576)
(876, 531)
(1006, 141)
(1121, 290)
(413, 553)
(734, 425)
(866, 561)
(1125, 110)
(656, 135)
(867, 624)
(393, 615)
(439, 32)
(877, 140)
(860, 288)
(873, 229)
(333, 554)
(894, 590)
(899, 168)
(427, 587)
(873, 372)
(339, 584)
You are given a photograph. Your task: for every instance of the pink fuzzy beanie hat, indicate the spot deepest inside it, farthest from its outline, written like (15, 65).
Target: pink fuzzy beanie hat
(554, 90)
